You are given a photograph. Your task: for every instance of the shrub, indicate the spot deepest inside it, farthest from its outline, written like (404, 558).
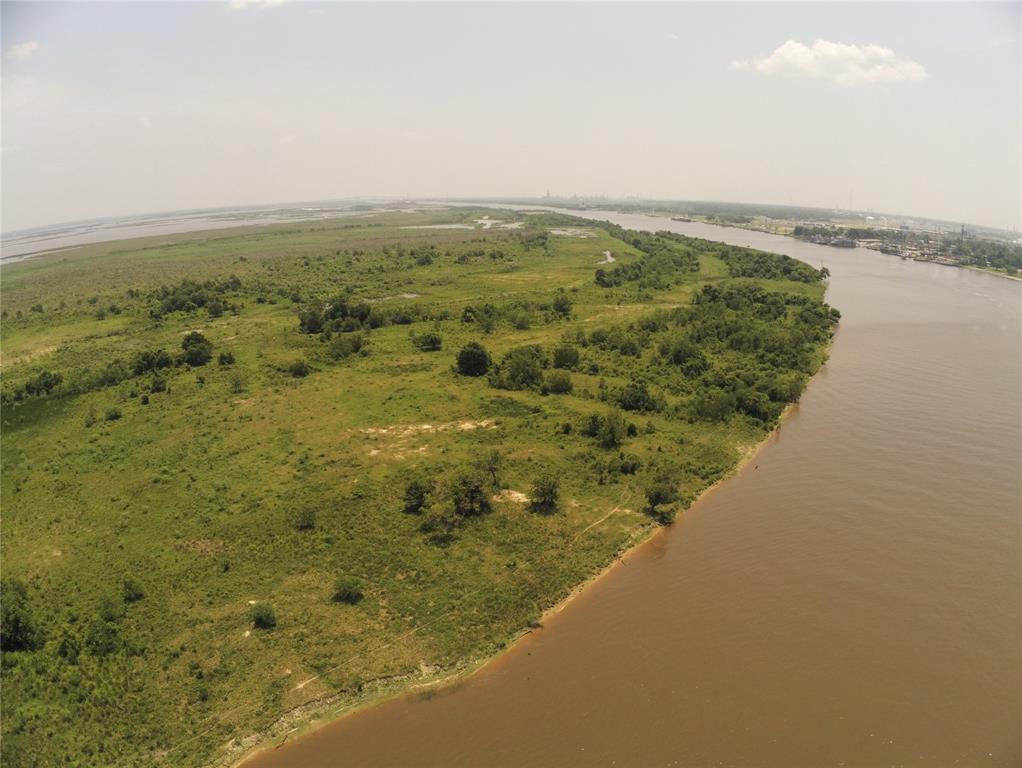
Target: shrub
(299, 369)
(521, 368)
(132, 591)
(346, 345)
(226, 358)
(17, 626)
(198, 350)
(101, 638)
(661, 493)
(558, 382)
(43, 384)
(562, 305)
(427, 342)
(347, 589)
(417, 493)
(469, 495)
(113, 414)
(305, 519)
(566, 356)
(611, 430)
(636, 397)
(215, 308)
(263, 616)
(158, 384)
(473, 360)
(545, 491)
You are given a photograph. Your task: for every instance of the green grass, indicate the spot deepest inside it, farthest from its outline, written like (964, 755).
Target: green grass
(193, 496)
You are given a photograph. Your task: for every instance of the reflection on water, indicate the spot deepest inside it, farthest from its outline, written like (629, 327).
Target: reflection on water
(853, 597)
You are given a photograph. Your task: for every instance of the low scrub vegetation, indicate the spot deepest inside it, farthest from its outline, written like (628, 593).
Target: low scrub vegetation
(289, 447)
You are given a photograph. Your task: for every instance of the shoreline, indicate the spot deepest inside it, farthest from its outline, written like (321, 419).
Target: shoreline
(320, 713)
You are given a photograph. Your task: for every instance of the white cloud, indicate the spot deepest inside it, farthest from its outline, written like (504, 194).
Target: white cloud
(240, 5)
(841, 63)
(23, 50)
(145, 122)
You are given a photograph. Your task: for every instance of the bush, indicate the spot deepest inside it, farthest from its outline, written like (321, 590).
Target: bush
(299, 369)
(198, 350)
(473, 360)
(558, 382)
(17, 626)
(469, 495)
(661, 493)
(215, 308)
(521, 368)
(305, 519)
(566, 356)
(427, 342)
(263, 616)
(132, 591)
(113, 414)
(611, 430)
(346, 345)
(417, 493)
(226, 358)
(347, 589)
(545, 492)
(562, 305)
(636, 397)
(158, 384)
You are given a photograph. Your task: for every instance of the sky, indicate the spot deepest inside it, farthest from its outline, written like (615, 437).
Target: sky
(122, 108)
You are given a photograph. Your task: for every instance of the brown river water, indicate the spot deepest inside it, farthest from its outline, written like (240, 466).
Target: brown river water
(853, 597)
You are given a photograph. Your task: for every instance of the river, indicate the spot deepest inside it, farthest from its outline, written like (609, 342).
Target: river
(853, 597)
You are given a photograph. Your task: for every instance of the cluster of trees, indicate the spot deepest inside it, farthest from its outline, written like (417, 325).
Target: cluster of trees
(764, 344)
(521, 314)
(745, 262)
(190, 295)
(465, 494)
(100, 635)
(528, 367)
(988, 253)
(345, 315)
(662, 258)
(196, 351)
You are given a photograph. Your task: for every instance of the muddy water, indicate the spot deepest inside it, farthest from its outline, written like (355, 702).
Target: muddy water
(852, 598)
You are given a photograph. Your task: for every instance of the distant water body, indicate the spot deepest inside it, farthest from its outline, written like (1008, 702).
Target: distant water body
(851, 598)
(15, 246)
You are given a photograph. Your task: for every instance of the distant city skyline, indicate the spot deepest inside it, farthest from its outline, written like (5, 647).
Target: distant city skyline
(124, 109)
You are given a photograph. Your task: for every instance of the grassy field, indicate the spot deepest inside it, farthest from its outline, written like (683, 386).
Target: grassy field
(145, 514)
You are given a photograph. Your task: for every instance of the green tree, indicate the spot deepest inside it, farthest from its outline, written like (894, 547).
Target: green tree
(469, 495)
(545, 494)
(198, 350)
(566, 356)
(18, 630)
(473, 360)
(562, 305)
(611, 430)
(661, 494)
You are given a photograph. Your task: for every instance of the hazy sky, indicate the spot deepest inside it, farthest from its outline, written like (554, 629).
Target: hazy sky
(127, 108)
